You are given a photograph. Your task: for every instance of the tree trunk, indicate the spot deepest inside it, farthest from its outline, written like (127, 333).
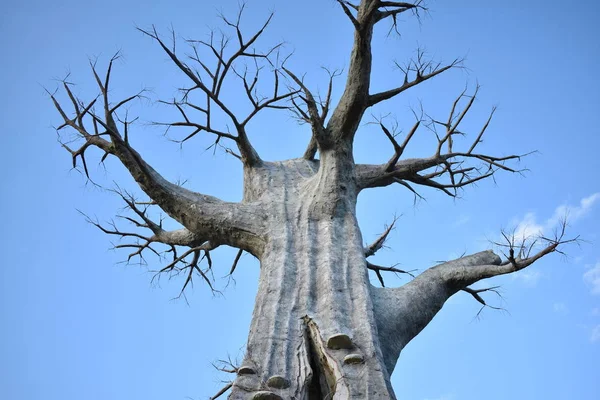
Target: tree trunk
(319, 329)
(313, 333)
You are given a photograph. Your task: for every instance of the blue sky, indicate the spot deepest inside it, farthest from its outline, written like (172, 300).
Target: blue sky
(77, 324)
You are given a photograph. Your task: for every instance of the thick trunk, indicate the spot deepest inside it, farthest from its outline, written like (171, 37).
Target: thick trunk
(313, 333)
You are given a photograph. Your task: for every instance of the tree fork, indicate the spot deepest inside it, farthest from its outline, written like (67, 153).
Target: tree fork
(319, 329)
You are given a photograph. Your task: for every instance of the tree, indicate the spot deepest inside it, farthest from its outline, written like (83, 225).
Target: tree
(319, 329)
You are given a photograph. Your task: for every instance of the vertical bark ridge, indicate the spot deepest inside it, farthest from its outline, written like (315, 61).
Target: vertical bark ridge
(312, 269)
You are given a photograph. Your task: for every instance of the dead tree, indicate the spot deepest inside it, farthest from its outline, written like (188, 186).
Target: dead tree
(319, 330)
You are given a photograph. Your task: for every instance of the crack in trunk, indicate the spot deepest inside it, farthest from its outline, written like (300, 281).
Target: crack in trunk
(326, 374)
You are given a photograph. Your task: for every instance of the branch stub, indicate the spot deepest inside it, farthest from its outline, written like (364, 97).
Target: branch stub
(278, 382)
(339, 341)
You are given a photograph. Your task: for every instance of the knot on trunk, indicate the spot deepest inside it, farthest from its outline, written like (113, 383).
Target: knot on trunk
(265, 395)
(278, 382)
(339, 341)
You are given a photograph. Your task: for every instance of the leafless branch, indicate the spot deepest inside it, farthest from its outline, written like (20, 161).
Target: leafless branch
(446, 171)
(522, 250)
(415, 71)
(209, 81)
(198, 249)
(378, 269)
(223, 390)
(311, 115)
(371, 249)
(398, 148)
(106, 135)
(325, 104)
(227, 366)
(183, 263)
(346, 7)
(476, 293)
(392, 9)
(235, 261)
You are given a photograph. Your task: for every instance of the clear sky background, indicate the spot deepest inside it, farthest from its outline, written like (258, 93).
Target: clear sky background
(76, 324)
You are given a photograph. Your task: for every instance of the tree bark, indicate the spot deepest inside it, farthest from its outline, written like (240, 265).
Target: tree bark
(313, 333)
(319, 329)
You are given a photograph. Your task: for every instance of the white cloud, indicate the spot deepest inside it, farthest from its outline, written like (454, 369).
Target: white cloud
(592, 278)
(595, 337)
(462, 220)
(528, 226)
(528, 277)
(584, 206)
(573, 213)
(596, 312)
(560, 308)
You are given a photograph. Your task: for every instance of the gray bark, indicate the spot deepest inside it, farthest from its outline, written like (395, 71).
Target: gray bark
(319, 329)
(313, 307)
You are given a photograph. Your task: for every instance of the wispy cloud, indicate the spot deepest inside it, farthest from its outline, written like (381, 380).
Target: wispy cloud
(528, 226)
(596, 312)
(462, 220)
(526, 229)
(592, 278)
(528, 277)
(595, 337)
(575, 213)
(560, 308)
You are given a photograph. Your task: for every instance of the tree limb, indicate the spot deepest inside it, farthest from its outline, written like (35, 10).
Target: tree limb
(349, 111)
(209, 81)
(312, 116)
(371, 249)
(421, 68)
(206, 216)
(445, 171)
(401, 313)
(378, 269)
(476, 293)
(142, 242)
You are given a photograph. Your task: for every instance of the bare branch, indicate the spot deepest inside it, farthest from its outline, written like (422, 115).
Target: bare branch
(476, 293)
(521, 250)
(204, 215)
(445, 171)
(421, 68)
(391, 9)
(345, 6)
(371, 249)
(378, 269)
(312, 116)
(398, 148)
(468, 270)
(182, 263)
(223, 390)
(349, 111)
(326, 104)
(230, 61)
(249, 155)
(235, 261)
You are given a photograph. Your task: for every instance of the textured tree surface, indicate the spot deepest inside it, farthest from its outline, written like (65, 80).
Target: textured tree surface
(319, 330)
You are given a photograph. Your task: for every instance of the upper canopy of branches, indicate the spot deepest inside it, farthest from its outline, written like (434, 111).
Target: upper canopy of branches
(266, 82)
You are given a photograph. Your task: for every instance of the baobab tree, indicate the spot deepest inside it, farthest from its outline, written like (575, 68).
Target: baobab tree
(320, 329)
